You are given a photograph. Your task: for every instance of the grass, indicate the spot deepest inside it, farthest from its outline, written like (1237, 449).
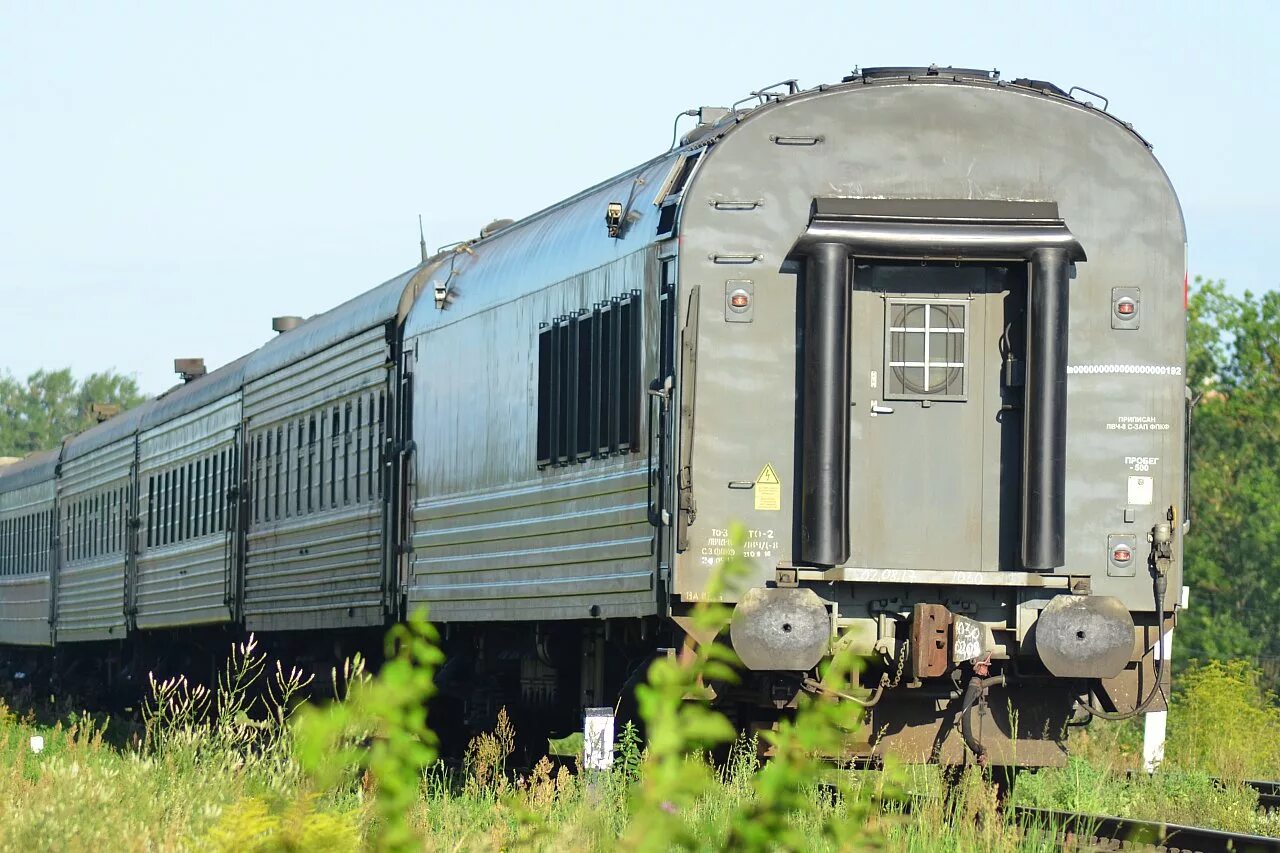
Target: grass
(249, 767)
(229, 783)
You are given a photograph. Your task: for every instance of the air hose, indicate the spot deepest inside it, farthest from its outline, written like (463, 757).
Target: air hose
(972, 696)
(1161, 584)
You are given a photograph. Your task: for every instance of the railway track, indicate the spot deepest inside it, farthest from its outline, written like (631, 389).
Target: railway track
(1099, 832)
(1268, 792)
(1079, 831)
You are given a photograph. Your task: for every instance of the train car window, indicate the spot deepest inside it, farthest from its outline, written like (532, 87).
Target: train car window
(566, 389)
(320, 422)
(373, 455)
(184, 503)
(925, 349)
(608, 383)
(290, 474)
(175, 504)
(218, 498)
(335, 431)
(158, 513)
(382, 439)
(280, 485)
(299, 455)
(346, 454)
(151, 508)
(195, 500)
(311, 463)
(629, 372)
(666, 318)
(546, 385)
(359, 461)
(596, 392)
(206, 496)
(585, 333)
(170, 495)
(261, 476)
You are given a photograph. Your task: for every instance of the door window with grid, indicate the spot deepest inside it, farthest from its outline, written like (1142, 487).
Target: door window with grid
(926, 343)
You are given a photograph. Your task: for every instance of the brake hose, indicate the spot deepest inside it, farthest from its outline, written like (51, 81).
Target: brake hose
(1161, 584)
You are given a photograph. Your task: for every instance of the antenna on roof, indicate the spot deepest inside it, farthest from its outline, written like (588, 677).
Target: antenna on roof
(422, 240)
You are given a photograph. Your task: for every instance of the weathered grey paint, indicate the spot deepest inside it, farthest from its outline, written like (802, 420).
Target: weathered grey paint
(91, 574)
(188, 582)
(27, 488)
(494, 537)
(321, 566)
(942, 140)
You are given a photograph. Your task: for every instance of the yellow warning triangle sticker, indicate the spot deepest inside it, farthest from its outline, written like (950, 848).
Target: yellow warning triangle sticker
(768, 476)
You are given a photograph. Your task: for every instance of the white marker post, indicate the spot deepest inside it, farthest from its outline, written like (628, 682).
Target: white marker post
(1156, 722)
(597, 738)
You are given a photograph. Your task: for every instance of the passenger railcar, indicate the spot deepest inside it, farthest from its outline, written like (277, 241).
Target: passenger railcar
(921, 331)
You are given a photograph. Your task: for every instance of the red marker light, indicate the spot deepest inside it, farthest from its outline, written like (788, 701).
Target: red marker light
(1125, 308)
(739, 300)
(1122, 554)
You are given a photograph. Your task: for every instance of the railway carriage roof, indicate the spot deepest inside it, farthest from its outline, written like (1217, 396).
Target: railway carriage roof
(369, 309)
(36, 468)
(121, 426)
(223, 382)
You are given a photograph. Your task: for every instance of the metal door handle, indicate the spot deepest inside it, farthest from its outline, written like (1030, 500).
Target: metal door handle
(877, 409)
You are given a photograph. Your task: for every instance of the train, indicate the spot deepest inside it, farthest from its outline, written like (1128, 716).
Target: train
(919, 333)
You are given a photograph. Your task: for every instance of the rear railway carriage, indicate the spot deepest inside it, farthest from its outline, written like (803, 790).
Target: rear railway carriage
(921, 332)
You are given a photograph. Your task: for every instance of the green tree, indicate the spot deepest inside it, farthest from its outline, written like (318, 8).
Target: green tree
(1233, 550)
(51, 404)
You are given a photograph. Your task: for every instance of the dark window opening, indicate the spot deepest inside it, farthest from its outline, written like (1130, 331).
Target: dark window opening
(589, 383)
(546, 384)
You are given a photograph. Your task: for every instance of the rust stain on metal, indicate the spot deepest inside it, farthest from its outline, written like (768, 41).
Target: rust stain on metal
(930, 640)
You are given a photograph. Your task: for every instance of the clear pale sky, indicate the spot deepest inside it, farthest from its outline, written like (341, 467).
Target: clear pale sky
(172, 175)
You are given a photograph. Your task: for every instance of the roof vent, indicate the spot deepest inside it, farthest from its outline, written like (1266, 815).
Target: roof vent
(103, 411)
(285, 324)
(494, 227)
(885, 71)
(189, 368)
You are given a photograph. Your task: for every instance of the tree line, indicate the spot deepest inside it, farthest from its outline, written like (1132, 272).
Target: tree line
(1232, 553)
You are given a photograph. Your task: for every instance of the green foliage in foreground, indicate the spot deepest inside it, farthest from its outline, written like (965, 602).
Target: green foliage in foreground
(245, 767)
(52, 404)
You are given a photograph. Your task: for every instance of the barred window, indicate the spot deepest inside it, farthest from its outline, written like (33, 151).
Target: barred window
(589, 392)
(926, 344)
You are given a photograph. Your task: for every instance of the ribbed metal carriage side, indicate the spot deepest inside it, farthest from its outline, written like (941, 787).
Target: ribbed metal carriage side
(95, 493)
(186, 577)
(27, 554)
(495, 536)
(317, 408)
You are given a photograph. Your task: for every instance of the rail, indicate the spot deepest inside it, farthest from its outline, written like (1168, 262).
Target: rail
(1093, 832)
(1268, 792)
